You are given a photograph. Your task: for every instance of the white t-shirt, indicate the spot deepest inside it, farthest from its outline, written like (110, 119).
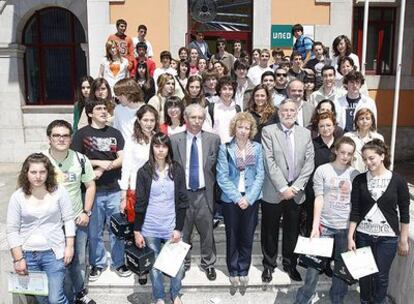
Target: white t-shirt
(124, 119)
(255, 73)
(374, 222)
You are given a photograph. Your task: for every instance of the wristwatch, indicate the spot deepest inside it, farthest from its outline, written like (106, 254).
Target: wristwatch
(88, 213)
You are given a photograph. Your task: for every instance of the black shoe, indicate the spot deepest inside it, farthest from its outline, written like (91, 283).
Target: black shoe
(123, 271)
(293, 273)
(143, 279)
(328, 270)
(82, 298)
(211, 273)
(95, 273)
(187, 267)
(266, 275)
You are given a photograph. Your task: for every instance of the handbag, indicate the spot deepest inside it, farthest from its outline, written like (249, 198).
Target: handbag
(120, 226)
(342, 272)
(139, 260)
(316, 262)
(131, 199)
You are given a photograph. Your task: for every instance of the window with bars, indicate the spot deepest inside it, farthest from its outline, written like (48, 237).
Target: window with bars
(380, 43)
(54, 60)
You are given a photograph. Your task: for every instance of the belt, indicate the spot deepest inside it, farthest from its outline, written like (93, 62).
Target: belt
(197, 190)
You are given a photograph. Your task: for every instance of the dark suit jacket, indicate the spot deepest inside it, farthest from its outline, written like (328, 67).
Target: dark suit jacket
(210, 144)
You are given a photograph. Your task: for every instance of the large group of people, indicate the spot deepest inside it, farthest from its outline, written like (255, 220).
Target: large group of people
(211, 137)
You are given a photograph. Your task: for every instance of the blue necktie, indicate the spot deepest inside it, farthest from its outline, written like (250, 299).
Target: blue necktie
(194, 182)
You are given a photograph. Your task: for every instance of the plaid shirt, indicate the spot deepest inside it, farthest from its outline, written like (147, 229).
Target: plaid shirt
(303, 45)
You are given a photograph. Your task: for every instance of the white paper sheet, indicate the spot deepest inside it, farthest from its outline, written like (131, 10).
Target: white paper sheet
(315, 246)
(171, 257)
(35, 283)
(360, 262)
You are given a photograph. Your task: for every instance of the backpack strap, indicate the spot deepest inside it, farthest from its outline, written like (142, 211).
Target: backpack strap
(81, 161)
(211, 112)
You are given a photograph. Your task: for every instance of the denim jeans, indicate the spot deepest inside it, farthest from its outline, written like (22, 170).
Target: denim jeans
(55, 271)
(106, 203)
(157, 276)
(374, 287)
(338, 288)
(75, 274)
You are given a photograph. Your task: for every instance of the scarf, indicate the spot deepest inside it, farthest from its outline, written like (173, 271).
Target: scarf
(248, 160)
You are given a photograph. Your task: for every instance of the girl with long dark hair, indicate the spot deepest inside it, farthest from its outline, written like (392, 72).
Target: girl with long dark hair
(145, 81)
(160, 209)
(80, 118)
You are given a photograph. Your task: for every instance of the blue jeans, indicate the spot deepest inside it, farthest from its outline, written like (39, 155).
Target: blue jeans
(75, 274)
(106, 203)
(374, 287)
(339, 288)
(55, 271)
(157, 276)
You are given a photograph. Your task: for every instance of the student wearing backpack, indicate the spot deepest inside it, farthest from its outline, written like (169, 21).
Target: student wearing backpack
(72, 170)
(303, 44)
(220, 113)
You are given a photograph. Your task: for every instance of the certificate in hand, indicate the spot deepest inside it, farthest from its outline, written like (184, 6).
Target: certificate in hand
(360, 262)
(35, 283)
(171, 257)
(315, 246)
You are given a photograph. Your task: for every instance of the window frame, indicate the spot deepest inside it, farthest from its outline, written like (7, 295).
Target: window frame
(358, 12)
(41, 48)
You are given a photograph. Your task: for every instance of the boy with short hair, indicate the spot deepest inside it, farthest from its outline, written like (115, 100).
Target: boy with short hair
(72, 170)
(103, 145)
(131, 98)
(165, 58)
(210, 79)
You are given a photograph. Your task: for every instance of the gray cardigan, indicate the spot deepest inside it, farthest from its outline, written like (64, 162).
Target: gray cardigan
(21, 222)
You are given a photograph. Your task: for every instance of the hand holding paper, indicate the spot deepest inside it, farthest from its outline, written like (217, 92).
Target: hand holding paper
(171, 257)
(315, 246)
(360, 262)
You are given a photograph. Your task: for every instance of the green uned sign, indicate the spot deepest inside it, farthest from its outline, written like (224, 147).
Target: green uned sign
(281, 36)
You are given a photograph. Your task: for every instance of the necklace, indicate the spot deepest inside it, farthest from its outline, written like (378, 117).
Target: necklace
(59, 162)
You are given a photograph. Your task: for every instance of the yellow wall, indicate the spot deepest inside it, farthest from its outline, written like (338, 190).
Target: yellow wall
(385, 103)
(154, 14)
(305, 12)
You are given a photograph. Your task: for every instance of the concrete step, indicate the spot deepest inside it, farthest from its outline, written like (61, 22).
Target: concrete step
(213, 294)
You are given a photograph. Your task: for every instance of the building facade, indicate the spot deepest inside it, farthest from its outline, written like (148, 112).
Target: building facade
(46, 46)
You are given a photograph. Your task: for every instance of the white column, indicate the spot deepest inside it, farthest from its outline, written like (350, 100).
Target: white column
(98, 31)
(262, 22)
(178, 25)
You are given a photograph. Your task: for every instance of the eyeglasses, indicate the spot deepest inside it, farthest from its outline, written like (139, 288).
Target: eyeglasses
(60, 136)
(281, 74)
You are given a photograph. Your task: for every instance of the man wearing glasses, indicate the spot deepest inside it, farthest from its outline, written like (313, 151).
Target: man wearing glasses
(103, 145)
(222, 55)
(72, 170)
(281, 81)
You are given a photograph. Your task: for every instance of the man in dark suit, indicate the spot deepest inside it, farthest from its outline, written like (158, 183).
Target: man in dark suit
(289, 162)
(196, 151)
(295, 90)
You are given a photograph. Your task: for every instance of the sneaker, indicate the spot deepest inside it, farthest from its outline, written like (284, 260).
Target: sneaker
(123, 271)
(82, 298)
(95, 273)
